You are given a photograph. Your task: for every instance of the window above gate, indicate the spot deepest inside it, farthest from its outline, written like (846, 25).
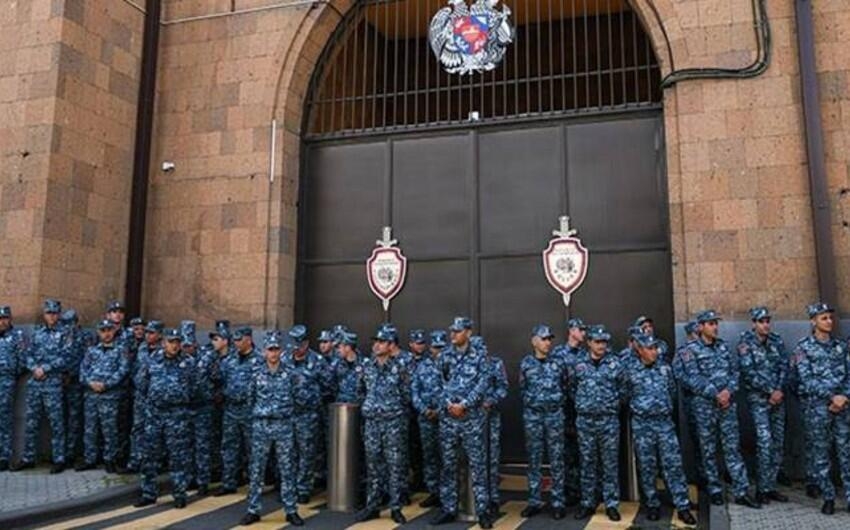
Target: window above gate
(378, 73)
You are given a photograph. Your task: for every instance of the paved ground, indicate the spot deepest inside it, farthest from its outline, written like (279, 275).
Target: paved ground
(802, 513)
(36, 487)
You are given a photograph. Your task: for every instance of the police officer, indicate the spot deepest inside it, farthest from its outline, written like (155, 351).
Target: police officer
(569, 353)
(497, 391)
(690, 329)
(45, 361)
(312, 381)
(237, 372)
(385, 412)
(763, 363)
(326, 350)
(465, 384)
(146, 352)
(820, 370)
(417, 344)
(630, 352)
(647, 326)
(347, 370)
(168, 381)
(426, 389)
(650, 387)
(597, 381)
(219, 346)
(543, 385)
(273, 414)
(73, 391)
(12, 350)
(204, 361)
(116, 312)
(103, 371)
(710, 373)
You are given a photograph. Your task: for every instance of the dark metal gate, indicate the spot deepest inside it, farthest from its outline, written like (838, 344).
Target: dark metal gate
(473, 203)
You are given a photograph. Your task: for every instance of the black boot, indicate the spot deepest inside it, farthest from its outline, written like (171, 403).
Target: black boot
(85, 466)
(57, 468)
(294, 519)
(397, 516)
(20, 466)
(612, 513)
(484, 521)
(686, 517)
(559, 513)
(813, 491)
(180, 503)
(776, 496)
(584, 512)
(530, 511)
(144, 501)
(746, 500)
(249, 519)
(203, 489)
(828, 508)
(303, 499)
(717, 499)
(431, 501)
(783, 479)
(366, 514)
(653, 513)
(109, 468)
(443, 518)
(761, 498)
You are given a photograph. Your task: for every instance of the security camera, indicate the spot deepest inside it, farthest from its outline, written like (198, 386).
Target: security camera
(168, 167)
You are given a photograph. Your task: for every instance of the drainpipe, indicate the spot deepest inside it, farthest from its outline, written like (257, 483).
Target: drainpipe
(141, 159)
(824, 255)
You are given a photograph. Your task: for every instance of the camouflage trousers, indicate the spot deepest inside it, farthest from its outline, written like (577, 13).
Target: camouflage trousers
(235, 443)
(7, 415)
(44, 398)
(545, 430)
(598, 445)
(769, 423)
(429, 435)
(714, 422)
(823, 430)
(167, 430)
(74, 397)
(202, 438)
(469, 433)
(265, 434)
(494, 453)
(306, 442)
(655, 442)
(137, 432)
(572, 483)
(101, 418)
(384, 440)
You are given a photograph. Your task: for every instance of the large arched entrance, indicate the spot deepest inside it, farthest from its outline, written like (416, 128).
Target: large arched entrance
(472, 173)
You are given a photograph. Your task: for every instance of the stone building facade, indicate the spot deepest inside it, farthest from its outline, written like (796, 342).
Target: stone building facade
(221, 236)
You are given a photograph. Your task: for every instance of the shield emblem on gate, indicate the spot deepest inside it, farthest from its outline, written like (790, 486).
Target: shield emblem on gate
(386, 270)
(565, 262)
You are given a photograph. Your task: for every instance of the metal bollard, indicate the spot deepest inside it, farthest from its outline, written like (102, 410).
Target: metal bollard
(630, 490)
(344, 457)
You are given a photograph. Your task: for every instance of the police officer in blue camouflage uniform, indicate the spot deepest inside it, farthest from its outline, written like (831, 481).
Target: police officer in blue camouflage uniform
(273, 415)
(103, 372)
(710, 373)
(73, 391)
(205, 360)
(418, 348)
(465, 383)
(385, 413)
(312, 381)
(146, 352)
(237, 372)
(496, 393)
(543, 385)
(690, 329)
(569, 352)
(326, 350)
(347, 370)
(116, 312)
(647, 326)
(45, 361)
(820, 368)
(597, 384)
(650, 388)
(168, 381)
(426, 390)
(12, 351)
(763, 363)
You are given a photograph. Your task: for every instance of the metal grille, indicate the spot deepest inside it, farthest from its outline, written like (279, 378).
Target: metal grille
(378, 74)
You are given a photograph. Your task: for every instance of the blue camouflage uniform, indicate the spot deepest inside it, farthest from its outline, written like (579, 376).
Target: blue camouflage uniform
(707, 369)
(690, 328)
(237, 372)
(347, 377)
(145, 354)
(73, 392)
(543, 385)
(426, 390)
(385, 406)
(169, 385)
(206, 364)
(312, 379)
(48, 350)
(12, 348)
(820, 371)
(650, 389)
(107, 364)
(764, 368)
(597, 388)
(569, 355)
(324, 416)
(496, 393)
(465, 382)
(273, 415)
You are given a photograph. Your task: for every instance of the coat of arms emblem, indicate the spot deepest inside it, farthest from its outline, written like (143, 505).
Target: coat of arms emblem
(565, 261)
(470, 39)
(386, 269)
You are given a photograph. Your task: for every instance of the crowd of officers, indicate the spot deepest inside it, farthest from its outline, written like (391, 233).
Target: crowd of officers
(143, 391)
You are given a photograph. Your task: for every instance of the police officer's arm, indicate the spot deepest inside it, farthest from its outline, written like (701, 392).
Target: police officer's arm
(809, 386)
(326, 381)
(85, 368)
(751, 374)
(480, 386)
(784, 367)
(622, 381)
(500, 387)
(523, 382)
(693, 378)
(117, 376)
(30, 356)
(404, 385)
(416, 392)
